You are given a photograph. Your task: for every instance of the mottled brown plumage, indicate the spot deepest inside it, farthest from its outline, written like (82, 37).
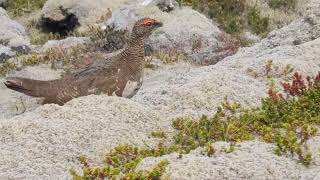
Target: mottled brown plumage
(120, 75)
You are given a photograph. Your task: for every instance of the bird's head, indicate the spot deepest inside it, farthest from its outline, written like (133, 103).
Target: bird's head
(144, 27)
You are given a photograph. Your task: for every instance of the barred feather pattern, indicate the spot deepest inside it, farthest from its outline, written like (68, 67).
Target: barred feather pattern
(110, 76)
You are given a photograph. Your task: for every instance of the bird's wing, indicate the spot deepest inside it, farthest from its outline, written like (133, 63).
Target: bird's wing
(104, 67)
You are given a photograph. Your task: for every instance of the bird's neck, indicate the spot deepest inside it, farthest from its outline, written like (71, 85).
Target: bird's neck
(136, 48)
(136, 42)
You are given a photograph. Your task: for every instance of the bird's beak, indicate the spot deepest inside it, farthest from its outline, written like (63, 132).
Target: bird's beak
(158, 24)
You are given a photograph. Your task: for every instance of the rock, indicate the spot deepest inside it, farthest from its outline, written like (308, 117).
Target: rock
(298, 32)
(184, 31)
(13, 103)
(5, 53)
(169, 3)
(193, 91)
(13, 35)
(250, 37)
(3, 3)
(250, 160)
(65, 43)
(51, 138)
(64, 15)
(164, 5)
(45, 142)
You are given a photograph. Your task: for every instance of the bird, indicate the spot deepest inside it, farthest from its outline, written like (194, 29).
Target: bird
(120, 75)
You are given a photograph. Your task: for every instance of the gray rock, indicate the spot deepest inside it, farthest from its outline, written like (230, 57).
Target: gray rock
(250, 160)
(250, 37)
(164, 5)
(65, 43)
(170, 3)
(13, 103)
(5, 53)
(298, 32)
(51, 140)
(3, 3)
(64, 14)
(13, 35)
(242, 77)
(185, 31)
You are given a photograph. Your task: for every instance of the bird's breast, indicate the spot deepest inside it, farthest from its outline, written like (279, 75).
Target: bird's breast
(131, 88)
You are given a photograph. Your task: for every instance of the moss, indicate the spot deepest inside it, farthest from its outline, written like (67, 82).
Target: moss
(20, 7)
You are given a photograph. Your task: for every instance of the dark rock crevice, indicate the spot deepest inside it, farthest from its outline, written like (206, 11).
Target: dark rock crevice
(62, 27)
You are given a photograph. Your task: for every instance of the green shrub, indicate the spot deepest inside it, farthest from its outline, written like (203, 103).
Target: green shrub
(19, 7)
(257, 24)
(282, 4)
(120, 163)
(158, 134)
(40, 38)
(32, 59)
(232, 15)
(6, 67)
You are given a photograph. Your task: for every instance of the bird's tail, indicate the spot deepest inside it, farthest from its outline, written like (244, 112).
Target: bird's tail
(27, 86)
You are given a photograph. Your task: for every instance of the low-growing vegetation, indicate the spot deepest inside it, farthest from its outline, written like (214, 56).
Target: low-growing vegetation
(232, 15)
(283, 4)
(7, 67)
(20, 7)
(170, 57)
(40, 38)
(121, 162)
(59, 58)
(287, 119)
(257, 24)
(109, 39)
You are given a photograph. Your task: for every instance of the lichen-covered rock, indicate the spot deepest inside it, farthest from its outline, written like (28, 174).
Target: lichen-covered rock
(192, 91)
(65, 15)
(184, 90)
(47, 142)
(250, 160)
(65, 43)
(12, 35)
(302, 30)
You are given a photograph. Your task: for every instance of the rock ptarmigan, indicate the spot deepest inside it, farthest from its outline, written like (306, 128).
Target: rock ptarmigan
(121, 75)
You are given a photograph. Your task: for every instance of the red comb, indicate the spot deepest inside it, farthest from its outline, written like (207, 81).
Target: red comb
(148, 20)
